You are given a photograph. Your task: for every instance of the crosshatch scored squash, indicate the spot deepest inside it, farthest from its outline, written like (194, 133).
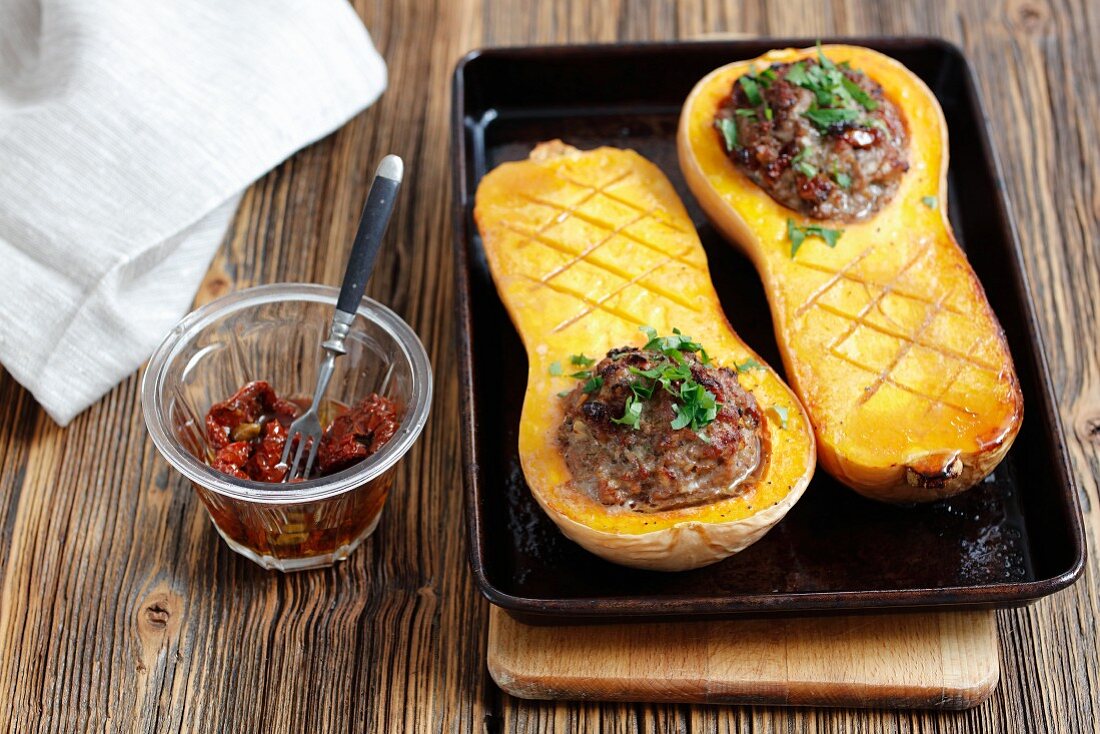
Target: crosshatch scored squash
(585, 248)
(887, 337)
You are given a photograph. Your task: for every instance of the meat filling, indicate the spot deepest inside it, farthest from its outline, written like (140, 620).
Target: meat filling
(818, 137)
(651, 466)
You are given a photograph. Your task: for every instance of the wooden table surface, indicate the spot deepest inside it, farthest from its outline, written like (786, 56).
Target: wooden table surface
(121, 609)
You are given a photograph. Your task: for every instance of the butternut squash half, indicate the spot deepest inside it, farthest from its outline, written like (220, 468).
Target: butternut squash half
(585, 248)
(887, 337)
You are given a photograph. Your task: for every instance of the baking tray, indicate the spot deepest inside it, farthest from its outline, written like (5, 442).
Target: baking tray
(1014, 538)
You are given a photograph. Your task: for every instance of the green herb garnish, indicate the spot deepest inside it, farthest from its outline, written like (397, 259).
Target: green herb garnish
(694, 405)
(752, 90)
(781, 413)
(843, 180)
(593, 384)
(797, 74)
(642, 390)
(837, 99)
(825, 118)
(664, 375)
(797, 235)
(697, 408)
(859, 94)
(805, 169)
(929, 201)
(744, 112)
(632, 414)
(729, 132)
(748, 364)
(671, 346)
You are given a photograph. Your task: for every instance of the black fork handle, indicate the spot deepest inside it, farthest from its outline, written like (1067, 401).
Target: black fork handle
(372, 226)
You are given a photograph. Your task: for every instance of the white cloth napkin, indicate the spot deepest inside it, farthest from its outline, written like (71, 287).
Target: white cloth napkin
(128, 130)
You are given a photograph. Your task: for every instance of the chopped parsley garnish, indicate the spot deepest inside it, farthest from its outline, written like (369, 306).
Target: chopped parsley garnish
(642, 390)
(673, 346)
(728, 129)
(805, 169)
(632, 415)
(797, 74)
(837, 99)
(825, 118)
(797, 235)
(748, 364)
(752, 90)
(593, 384)
(843, 180)
(780, 412)
(929, 201)
(859, 94)
(695, 406)
(751, 83)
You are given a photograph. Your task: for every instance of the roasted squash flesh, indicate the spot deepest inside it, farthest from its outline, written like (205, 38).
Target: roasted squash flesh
(584, 248)
(887, 337)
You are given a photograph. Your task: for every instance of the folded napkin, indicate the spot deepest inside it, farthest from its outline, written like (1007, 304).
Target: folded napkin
(128, 130)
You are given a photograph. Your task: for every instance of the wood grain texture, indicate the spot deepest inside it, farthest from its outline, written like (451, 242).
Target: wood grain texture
(121, 610)
(938, 661)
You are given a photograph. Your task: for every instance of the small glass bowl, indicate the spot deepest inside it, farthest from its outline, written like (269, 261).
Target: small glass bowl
(274, 333)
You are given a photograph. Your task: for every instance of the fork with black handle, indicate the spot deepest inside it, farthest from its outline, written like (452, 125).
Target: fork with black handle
(307, 429)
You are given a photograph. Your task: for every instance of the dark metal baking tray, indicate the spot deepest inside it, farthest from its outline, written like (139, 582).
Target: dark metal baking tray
(1012, 539)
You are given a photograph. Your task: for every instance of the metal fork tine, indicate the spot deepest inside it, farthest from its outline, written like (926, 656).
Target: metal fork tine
(286, 452)
(297, 457)
(313, 444)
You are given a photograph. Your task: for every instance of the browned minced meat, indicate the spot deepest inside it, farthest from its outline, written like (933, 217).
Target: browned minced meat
(653, 467)
(867, 153)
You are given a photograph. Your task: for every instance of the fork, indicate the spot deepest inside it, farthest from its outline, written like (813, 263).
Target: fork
(307, 428)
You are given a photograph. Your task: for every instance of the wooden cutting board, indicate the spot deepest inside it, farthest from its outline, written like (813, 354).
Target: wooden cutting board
(945, 660)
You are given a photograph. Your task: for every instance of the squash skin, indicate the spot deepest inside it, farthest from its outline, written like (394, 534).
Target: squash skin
(921, 400)
(647, 267)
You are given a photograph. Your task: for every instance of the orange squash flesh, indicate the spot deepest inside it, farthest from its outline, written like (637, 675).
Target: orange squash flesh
(585, 247)
(887, 338)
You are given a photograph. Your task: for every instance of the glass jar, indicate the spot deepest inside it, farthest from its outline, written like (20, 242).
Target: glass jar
(274, 333)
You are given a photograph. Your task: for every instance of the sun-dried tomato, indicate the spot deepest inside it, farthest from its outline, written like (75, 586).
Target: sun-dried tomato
(357, 434)
(232, 457)
(244, 406)
(248, 431)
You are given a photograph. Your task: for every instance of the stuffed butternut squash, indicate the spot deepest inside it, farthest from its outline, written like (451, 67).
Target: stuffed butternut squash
(828, 167)
(671, 446)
